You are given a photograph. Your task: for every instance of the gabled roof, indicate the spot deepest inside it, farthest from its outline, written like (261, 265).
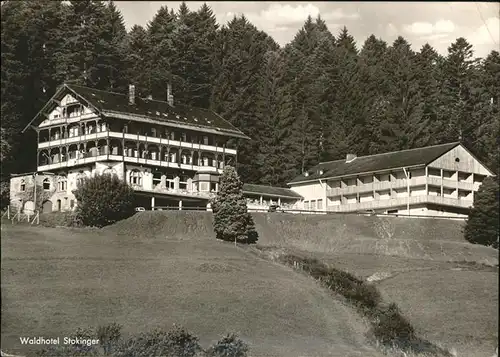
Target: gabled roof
(249, 188)
(379, 162)
(113, 104)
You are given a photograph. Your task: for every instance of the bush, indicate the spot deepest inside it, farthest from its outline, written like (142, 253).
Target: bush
(484, 218)
(392, 327)
(103, 199)
(228, 346)
(176, 343)
(232, 222)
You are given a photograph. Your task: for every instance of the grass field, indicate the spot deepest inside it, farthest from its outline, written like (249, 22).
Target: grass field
(160, 268)
(54, 280)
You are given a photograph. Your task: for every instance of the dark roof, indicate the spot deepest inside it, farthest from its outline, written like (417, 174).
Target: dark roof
(153, 109)
(270, 191)
(378, 162)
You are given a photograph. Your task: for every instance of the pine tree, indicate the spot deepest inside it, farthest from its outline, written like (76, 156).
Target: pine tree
(138, 60)
(276, 152)
(113, 50)
(374, 92)
(237, 94)
(160, 33)
(423, 129)
(404, 107)
(232, 222)
(458, 97)
(483, 224)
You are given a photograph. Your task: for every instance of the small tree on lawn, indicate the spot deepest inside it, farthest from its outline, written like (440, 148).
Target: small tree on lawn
(483, 224)
(102, 200)
(232, 222)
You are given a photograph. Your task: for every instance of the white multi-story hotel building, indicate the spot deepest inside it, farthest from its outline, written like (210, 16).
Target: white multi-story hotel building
(172, 155)
(436, 181)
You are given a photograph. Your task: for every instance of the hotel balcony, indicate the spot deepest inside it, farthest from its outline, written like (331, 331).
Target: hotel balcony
(87, 159)
(136, 137)
(400, 202)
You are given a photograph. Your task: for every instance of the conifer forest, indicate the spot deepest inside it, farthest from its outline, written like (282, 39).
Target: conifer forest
(315, 99)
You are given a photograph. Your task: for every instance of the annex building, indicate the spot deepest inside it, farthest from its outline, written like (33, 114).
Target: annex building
(172, 155)
(436, 180)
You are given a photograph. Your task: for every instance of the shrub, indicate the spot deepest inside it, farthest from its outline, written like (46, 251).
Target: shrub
(228, 346)
(392, 327)
(177, 343)
(484, 219)
(103, 199)
(232, 222)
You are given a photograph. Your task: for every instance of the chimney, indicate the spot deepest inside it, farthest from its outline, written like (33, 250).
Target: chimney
(131, 94)
(350, 157)
(170, 97)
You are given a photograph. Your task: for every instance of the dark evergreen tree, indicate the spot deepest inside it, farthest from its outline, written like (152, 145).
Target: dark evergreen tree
(138, 71)
(161, 32)
(232, 222)
(483, 225)
(276, 151)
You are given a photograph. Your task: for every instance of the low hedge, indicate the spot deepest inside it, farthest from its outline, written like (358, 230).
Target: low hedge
(388, 326)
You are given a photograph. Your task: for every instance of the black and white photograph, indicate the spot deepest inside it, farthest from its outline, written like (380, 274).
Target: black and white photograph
(249, 179)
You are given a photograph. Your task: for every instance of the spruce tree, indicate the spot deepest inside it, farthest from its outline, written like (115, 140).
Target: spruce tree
(232, 222)
(137, 58)
(483, 224)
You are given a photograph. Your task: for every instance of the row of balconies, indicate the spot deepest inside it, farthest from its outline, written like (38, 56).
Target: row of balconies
(401, 201)
(134, 160)
(145, 139)
(401, 184)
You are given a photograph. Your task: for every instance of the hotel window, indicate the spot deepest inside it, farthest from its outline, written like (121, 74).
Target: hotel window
(62, 184)
(23, 185)
(71, 204)
(183, 137)
(136, 177)
(306, 205)
(80, 178)
(205, 140)
(183, 182)
(170, 182)
(46, 184)
(320, 204)
(153, 132)
(313, 205)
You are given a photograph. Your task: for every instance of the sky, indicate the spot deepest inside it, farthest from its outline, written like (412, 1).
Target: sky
(438, 23)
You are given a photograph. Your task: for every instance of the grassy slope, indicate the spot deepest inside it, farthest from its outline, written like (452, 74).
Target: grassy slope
(54, 280)
(416, 252)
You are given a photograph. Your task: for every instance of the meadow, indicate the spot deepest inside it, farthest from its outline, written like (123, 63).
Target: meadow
(160, 268)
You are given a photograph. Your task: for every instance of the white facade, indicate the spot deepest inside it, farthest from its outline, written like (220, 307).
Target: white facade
(443, 187)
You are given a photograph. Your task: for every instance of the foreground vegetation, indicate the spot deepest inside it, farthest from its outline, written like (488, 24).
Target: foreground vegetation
(175, 343)
(388, 326)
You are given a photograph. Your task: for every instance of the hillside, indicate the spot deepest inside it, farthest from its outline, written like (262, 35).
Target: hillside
(54, 280)
(160, 268)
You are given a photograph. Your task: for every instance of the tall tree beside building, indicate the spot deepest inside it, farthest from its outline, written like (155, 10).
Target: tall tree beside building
(373, 100)
(160, 33)
(404, 107)
(276, 151)
(423, 128)
(458, 94)
(137, 58)
(483, 225)
(488, 111)
(232, 222)
(237, 93)
(113, 50)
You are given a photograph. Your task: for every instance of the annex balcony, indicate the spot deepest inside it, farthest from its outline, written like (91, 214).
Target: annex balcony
(402, 201)
(375, 186)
